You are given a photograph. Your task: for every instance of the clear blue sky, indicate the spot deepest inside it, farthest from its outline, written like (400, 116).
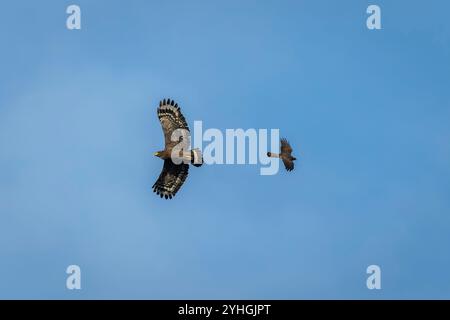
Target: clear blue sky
(368, 110)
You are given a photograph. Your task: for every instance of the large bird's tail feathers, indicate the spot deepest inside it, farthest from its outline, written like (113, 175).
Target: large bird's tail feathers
(196, 157)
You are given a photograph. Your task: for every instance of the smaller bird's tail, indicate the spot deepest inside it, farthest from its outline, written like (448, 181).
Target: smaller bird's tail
(196, 157)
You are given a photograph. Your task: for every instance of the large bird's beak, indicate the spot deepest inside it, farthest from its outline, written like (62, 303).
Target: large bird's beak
(156, 154)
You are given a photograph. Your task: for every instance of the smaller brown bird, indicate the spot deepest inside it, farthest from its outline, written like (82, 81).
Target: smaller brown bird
(285, 155)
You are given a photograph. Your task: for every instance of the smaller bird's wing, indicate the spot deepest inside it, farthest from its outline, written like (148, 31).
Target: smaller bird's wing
(285, 146)
(288, 163)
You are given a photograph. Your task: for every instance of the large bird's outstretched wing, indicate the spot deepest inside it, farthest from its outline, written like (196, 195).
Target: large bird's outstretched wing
(171, 119)
(171, 179)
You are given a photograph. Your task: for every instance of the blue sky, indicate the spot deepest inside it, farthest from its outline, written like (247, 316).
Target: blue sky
(368, 111)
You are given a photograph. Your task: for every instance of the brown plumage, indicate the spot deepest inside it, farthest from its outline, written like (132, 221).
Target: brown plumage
(285, 155)
(173, 175)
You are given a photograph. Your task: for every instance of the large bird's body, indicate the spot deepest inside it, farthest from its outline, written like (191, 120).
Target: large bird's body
(285, 155)
(174, 173)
